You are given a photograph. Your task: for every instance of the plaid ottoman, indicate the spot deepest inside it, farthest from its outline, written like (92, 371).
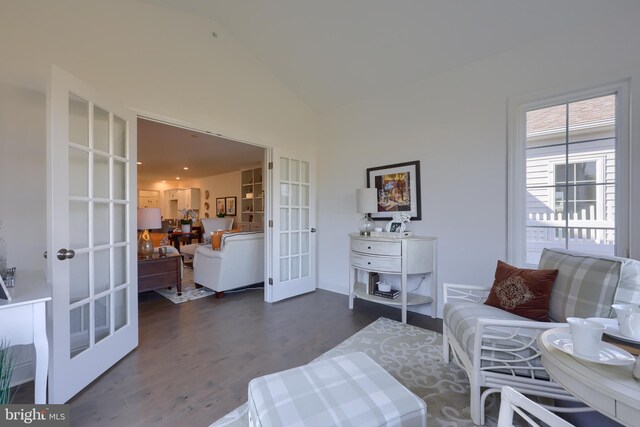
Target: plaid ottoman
(347, 390)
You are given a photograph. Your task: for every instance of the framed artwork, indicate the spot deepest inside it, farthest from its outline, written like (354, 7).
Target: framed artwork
(220, 206)
(231, 206)
(398, 188)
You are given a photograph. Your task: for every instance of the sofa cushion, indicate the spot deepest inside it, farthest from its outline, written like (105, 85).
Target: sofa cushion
(461, 320)
(522, 291)
(586, 284)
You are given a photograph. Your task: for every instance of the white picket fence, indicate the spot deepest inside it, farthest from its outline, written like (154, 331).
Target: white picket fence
(545, 230)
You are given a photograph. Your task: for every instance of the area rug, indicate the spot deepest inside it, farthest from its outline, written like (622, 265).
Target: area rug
(189, 293)
(414, 357)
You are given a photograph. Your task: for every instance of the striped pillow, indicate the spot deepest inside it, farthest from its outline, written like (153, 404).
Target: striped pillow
(586, 284)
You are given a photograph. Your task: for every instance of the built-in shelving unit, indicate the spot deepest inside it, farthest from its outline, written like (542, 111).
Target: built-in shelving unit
(252, 204)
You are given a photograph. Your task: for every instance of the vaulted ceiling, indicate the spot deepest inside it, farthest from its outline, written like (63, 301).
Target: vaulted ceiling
(334, 52)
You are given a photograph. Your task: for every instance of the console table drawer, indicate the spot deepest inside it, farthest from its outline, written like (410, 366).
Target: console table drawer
(375, 263)
(377, 247)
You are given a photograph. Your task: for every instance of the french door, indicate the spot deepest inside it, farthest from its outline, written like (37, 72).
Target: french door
(293, 243)
(91, 263)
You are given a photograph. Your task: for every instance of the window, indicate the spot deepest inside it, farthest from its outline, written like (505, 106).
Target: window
(564, 188)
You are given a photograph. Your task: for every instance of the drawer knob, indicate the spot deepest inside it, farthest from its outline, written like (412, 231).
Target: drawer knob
(368, 247)
(369, 262)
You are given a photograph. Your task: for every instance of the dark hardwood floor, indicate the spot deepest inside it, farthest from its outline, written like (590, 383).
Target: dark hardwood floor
(195, 359)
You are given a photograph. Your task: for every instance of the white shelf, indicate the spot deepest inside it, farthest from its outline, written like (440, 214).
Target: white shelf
(360, 291)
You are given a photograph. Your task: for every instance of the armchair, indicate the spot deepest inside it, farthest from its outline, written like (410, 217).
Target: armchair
(209, 225)
(496, 348)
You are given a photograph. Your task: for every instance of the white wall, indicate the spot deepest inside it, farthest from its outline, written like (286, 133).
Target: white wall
(154, 60)
(456, 125)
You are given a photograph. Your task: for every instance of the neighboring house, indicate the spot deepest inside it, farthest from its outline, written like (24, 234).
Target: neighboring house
(570, 187)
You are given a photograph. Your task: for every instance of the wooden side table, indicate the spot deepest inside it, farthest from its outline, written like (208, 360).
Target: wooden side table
(159, 272)
(612, 390)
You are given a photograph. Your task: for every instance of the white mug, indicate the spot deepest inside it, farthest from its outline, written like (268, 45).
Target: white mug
(628, 319)
(586, 336)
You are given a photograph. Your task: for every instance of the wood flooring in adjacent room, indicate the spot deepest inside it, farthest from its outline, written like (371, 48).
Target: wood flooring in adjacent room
(195, 359)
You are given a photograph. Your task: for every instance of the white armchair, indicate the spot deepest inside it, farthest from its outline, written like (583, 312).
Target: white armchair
(238, 263)
(497, 348)
(209, 225)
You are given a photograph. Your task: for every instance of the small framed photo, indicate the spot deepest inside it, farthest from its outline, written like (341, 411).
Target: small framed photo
(220, 206)
(230, 206)
(396, 227)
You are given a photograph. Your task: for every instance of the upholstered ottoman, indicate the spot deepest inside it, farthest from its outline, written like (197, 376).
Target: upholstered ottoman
(348, 390)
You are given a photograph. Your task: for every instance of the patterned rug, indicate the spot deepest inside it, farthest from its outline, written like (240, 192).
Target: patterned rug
(414, 357)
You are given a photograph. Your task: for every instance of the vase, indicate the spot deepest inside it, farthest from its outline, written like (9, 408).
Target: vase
(186, 228)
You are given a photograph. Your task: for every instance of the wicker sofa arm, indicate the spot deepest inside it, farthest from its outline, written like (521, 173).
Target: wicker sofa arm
(456, 292)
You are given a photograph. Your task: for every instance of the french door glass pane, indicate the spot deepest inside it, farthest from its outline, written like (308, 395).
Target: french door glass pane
(119, 137)
(119, 180)
(120, 309)
(100, 176)
(78, 277)
(304, 219)
(304, 195)
(295, 243)
(79, 328)
(295, 219)
(304, 242)
(78, 121)
(120, 265)
(102, 312)
(119, 223)
(304, 172)
(284, 269)
(101, 271)
(304, 266)
(100, 129)
(295, 195)
(284, 244)
(284, 219)
(284, 194)
(284, 169)
(295, 267)
(78, 224)
(79, 170)
(100, 224)
(295, 171)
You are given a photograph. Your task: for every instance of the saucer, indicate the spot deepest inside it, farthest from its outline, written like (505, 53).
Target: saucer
(612, 329)
(609, 354)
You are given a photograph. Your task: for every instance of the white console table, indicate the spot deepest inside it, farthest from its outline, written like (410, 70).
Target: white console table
(390, 255)
(23, 320)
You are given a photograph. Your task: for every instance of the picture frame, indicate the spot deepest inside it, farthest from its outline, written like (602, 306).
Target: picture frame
(395, 227)
(220, 206)
(398, 187)
(230, 205)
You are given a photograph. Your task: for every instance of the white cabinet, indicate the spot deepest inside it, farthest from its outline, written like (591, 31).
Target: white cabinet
(389, 255)
(148, 199)
(252, 200)
(189, 198)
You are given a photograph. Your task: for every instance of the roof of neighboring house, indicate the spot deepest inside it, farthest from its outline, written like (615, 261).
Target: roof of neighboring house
(582, 114)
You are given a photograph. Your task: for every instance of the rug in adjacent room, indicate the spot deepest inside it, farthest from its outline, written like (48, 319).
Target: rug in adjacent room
(189, 293)
(414, 357)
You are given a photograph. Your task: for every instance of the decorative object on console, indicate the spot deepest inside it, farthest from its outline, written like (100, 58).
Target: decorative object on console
(397, 189)
(148, 218)
(4, 292)
(366, 204)
(399, 223)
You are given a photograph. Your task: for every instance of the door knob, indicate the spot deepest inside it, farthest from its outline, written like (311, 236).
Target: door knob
(45, 254)
(65, 254)
(313, 230)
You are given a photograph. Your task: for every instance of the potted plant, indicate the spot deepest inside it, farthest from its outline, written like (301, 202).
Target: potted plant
(6, 370)
(188, 215)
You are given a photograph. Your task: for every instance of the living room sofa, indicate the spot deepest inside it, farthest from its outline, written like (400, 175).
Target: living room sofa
(497, 348)
(238, 263)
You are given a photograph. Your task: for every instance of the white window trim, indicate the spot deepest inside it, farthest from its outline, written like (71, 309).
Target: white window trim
(516, 162)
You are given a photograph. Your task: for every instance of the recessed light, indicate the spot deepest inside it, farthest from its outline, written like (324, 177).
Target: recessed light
(139, 163)
(177, 177)
(164, 180)
(185, 168)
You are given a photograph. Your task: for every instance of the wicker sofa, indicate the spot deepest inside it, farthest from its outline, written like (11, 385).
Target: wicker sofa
(498, 348)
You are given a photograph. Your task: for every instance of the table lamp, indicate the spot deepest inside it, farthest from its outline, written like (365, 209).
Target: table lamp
(148, 218)
(366, 203)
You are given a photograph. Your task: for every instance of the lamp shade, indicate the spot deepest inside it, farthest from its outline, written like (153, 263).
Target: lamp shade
(149, 218)
(366, 200)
